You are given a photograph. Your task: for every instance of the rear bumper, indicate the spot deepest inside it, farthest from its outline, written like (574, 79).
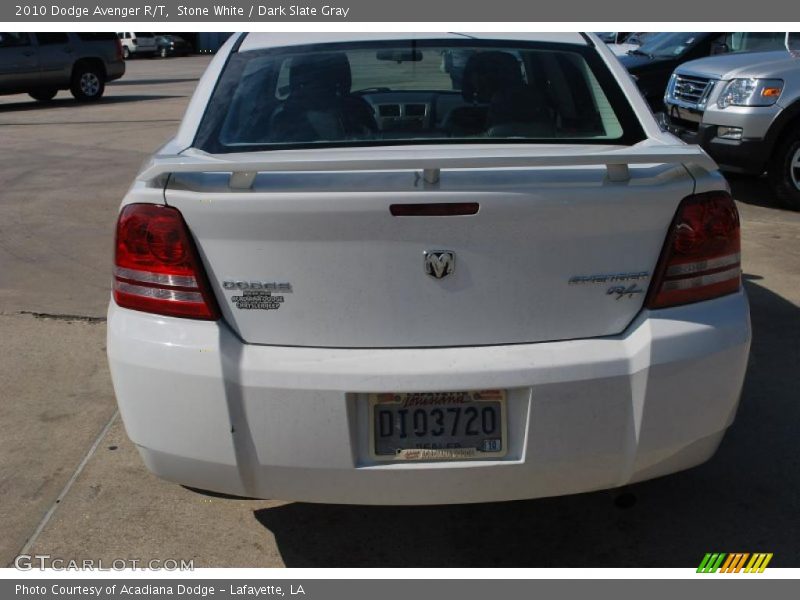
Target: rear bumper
(208, 411)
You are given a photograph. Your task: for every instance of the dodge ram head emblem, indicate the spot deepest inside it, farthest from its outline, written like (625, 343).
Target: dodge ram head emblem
(440, 263)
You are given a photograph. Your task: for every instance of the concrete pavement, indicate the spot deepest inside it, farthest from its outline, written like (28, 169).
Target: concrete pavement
(65, 168)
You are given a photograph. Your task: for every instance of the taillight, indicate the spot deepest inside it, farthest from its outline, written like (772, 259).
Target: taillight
(701, 257)
(119, 49)
(156, 266)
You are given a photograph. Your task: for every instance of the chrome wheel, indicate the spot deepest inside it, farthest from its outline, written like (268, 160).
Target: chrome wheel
(794, 169)
(90, 84)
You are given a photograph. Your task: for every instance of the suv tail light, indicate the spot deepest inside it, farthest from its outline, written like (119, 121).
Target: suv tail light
(119, 50)
(701, 257)
(156, 266)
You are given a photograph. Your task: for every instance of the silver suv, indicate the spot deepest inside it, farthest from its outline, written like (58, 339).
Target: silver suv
(41, 64)
(744, 110)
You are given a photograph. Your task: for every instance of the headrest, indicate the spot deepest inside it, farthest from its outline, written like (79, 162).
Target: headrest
(486, 73)
(327, 72)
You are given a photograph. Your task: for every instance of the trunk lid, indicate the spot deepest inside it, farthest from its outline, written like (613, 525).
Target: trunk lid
(557, 250)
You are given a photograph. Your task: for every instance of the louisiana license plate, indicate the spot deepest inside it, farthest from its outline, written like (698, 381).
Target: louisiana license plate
(438, 425)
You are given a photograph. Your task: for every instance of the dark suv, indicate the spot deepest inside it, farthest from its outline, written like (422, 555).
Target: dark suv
(41, 64)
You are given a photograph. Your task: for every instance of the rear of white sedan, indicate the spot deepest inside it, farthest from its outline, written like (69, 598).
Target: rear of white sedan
(384, 269)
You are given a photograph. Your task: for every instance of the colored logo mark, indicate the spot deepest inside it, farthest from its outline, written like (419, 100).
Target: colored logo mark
(720, 562)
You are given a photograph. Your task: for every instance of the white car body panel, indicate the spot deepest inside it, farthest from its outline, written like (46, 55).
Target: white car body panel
(208, 411)
(357, 271)
(261, 40)
(600, 392)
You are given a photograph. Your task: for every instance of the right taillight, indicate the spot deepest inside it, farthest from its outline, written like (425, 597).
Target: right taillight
(156, 265)
(701, 257)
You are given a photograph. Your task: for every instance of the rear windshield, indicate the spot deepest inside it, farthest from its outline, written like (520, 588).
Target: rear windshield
(669, 44)
(412, 92)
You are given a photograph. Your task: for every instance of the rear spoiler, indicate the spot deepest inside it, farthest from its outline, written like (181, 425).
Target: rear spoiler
(244, 167)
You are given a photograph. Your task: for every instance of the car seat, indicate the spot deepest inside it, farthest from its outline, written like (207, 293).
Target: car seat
(501, 103)
(319, 106)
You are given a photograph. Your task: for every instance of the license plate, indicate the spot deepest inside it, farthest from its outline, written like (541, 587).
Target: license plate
(438, 425)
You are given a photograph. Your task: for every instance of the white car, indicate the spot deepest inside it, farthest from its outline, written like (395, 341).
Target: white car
(350, 279)
(137, 43)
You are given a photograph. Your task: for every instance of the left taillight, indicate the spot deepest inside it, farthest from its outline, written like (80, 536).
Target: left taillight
(120, 56)
(156, 265)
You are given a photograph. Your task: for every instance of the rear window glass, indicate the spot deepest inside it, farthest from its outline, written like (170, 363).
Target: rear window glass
(406, 92)
(670, 44)
(758, 41)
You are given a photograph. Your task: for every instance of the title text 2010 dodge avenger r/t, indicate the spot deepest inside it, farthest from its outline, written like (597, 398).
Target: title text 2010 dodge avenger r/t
(393, 269)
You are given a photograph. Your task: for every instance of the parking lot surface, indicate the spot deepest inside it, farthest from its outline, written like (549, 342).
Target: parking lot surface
(72, 485)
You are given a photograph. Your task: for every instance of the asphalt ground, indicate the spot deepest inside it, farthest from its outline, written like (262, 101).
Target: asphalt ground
(72, 485)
